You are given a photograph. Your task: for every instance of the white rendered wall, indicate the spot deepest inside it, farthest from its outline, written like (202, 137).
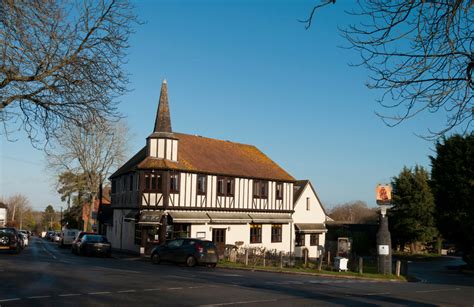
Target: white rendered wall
(3, 216)
(125, 231)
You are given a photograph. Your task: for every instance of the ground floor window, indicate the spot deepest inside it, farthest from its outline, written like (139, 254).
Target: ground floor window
(276, 233)
(299, 239)
(256, 233)
(175, 231)
(314, 239)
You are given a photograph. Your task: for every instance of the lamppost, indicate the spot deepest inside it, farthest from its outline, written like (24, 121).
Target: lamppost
(384, 242)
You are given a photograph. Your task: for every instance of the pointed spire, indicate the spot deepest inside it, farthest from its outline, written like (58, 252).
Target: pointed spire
(163, 119)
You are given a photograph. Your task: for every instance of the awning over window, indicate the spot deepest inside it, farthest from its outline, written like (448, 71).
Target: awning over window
(229, 218)
(311, 228)
(189, 217)
(270, 218)
(150, 218)
(131, 216)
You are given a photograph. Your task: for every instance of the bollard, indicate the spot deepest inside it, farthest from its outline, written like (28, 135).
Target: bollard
(281, 260)
(305, 251)
(329, 259)
(361, 265)
(320, 264)
(263, 257)
(397, 268)
(246, 257)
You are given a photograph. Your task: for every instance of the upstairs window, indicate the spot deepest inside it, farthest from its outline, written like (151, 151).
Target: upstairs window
(279, 190)
(260, 189)
(225, 186)
(153, 182)
(308, 204)
(201, 184)
(174, 183)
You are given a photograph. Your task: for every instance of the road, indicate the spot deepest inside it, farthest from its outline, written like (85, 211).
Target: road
(44, 275)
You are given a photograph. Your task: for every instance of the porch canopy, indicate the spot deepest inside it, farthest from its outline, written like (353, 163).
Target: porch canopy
(229, 217)
(150, 218)
(311, 228)
(192, 217)
(270, 218)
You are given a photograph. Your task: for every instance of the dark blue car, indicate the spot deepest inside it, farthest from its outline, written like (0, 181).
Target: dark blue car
(186, 250)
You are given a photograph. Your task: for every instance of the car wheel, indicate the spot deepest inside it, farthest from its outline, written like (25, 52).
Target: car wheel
(211, 265)
(155, 258)
(190, 261)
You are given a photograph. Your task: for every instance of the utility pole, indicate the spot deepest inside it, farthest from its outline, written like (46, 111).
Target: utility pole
(61, 219)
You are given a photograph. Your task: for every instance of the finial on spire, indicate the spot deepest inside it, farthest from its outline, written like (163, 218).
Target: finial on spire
(163, 119)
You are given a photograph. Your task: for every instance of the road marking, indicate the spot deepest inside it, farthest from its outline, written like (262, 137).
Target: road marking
(126, 291)
(112, 269)
(438, 290)
(154, 289)
(238, 303)
(39, 296)
(379, 293)
(177, 288)
(98, 293)
(10, 299)
(69, 294)
(196, 287)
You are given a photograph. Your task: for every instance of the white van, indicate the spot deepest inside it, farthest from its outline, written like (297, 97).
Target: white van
(68, 236)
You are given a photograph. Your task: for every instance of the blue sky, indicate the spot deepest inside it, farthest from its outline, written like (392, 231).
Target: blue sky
(249, 72)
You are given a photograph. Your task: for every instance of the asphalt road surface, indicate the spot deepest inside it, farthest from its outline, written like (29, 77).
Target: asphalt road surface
(44, 275)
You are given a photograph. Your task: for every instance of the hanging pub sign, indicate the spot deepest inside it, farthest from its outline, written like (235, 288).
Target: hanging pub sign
(383, 194)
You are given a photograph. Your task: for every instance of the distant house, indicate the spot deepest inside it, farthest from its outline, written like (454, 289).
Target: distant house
(182, 185)
(3, 214)
(102, 201)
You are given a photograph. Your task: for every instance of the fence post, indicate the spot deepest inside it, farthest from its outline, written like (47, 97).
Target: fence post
(320, 263)
(397, 268)
(246, 257)
(329, 259)
(305, 251)
(281, 260)
(264, 257)
(361, 265)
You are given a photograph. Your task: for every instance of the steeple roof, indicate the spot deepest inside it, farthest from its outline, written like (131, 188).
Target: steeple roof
(163, 119)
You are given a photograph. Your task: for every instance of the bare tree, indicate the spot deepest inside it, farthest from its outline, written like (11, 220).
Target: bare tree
(18, 205)
(89, 152)
(354, 212)
(61, 61)
(420, 54)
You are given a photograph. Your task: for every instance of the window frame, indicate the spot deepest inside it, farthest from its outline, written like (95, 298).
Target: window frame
(277, 196)
(174, 189)
(225, 180)
(301, 241)
(204, 177)
(255, 233)
(314, 239)
(260, 188)
(153, 182)
(277, 233)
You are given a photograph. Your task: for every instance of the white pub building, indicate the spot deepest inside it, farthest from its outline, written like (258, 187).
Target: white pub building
(182, 185)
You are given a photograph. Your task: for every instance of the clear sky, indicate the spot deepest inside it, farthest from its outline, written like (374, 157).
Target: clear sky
(249, 72)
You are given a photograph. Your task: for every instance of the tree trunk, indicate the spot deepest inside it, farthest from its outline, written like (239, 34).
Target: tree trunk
(89, 224)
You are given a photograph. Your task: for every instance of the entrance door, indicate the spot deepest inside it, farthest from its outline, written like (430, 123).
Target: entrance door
(218, 237)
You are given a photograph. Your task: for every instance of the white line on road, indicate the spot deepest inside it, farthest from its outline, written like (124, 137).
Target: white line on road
(154, 289)
(238, 303)
(126, 291)
(69, 294)
(39, 296)
(379, 293)
(177, 288)
(10, 299)
(438, 290)
(196, 287)
(98, 293)
(112, 269)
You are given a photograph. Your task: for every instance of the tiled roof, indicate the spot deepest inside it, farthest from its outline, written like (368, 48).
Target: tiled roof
(212, 156)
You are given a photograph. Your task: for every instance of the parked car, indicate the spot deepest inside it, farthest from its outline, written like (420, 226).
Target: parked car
(24, 239)
(25, 232)
(77, 240)
(49, 235)
(56, 237)
(94, 245)
(68, 236)
(188, 251)
(9, 240)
